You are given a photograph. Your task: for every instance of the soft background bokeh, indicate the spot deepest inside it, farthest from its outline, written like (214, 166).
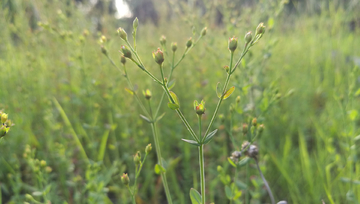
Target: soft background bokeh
(56, 86)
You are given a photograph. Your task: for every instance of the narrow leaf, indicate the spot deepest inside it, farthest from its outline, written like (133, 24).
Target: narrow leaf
(195, 196)
(173, 106)
(129, 91)
(171, 84)
(241, 185)
(159, 117)
(191, 142)
(145, 118)
(159, 169)
(209, 137)
(231, 162)
(218, 90)
(103, 143)
(228, 193)
(229, 92)
(175, 98)
(244, 161)
(237, 195)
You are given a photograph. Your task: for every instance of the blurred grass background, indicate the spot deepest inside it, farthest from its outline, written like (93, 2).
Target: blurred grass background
(57, 86)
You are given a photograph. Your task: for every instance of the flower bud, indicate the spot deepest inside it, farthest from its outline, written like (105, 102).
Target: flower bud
(163, 41)
(248, 37)
(125, 179)
(4, 117)
(219, 169)
(261, 128)
(227, 69)
(158, 56)
(147, 94)
(148, 149)
(48, 169)
(137, 158)
(3, 131)
(123, 59)
(236, 154)
(135, 23)
(231, 108)
(103, 50)
(203, 31)
(122, 33)
(232, 44)
(174, 46)
(189, 43)
(254, 122)
(85, 33)
(253, 151)
(126, 52)
(237, 99)
(42, 163)
(199, 108)
(245, 145)
(260, 29)
(103, 39)
(245, 129)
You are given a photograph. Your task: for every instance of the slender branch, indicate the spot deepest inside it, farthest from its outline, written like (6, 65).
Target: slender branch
(265, 182)
(187, 50)
(201, 163)
(159, 157)
(202, 173)
(221, 98)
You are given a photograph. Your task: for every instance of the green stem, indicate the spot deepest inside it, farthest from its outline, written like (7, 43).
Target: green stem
(247, 195)
(135, 182)
(187, 50)
(132, 195)
(221, 98)
(187, 125)
(201, 162)
(202, 173)
(265, 183)
(177, 110)
(130, 85)
(163, 94)
(141, 165)
(233, 188)
(159, 157)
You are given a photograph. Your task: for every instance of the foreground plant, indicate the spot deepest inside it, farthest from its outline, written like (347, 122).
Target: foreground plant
(199, 139)
(149, 115)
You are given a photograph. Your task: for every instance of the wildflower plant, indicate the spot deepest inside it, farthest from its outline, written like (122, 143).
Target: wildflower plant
(129, 53)
(223, 92)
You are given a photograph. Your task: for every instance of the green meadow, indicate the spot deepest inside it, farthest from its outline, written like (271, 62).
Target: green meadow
(77, 119)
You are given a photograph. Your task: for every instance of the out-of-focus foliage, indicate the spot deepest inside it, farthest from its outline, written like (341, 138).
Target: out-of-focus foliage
(59, 89)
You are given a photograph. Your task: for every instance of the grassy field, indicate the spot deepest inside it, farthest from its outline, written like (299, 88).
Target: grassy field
(77, 128)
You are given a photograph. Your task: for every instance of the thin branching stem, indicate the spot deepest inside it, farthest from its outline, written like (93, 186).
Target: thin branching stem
(202, 168)
(158, 153)
(130, 85)
(265, 182)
